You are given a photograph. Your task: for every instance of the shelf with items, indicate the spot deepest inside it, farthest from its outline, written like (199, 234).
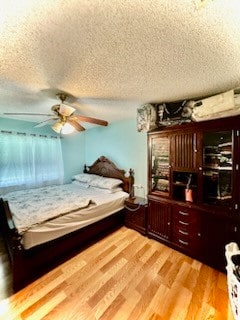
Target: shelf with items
(209, 168)
(160, 184)
(160, 169)
(218, 188)
(217, 168)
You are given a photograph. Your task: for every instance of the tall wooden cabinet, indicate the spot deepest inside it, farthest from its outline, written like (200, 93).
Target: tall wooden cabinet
(194, 189)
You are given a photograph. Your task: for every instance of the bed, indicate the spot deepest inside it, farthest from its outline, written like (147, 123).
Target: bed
(36, 246)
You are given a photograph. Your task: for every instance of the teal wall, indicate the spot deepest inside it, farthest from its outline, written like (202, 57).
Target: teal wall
(120, 142)
(24, 126)
(73, 148)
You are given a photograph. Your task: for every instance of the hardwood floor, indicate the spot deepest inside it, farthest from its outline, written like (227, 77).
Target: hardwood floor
(124, 276)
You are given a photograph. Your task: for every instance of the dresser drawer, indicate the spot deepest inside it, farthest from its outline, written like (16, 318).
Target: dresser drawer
(185, 216)
(186, 228)
(186, 241)
(187, 233)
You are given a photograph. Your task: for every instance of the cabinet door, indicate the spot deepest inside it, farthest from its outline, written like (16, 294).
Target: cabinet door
(233, 232)
(217, 232)
(184, 150)
(159, 164)
(159, 220)
(135, 216)
(218, 168)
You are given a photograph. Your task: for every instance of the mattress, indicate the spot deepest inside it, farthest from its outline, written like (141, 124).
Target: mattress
(102, 205)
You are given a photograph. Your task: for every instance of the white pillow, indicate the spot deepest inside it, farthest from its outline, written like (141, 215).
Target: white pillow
(101, 190)
(84, 177)
(105, 183)
(81, 185)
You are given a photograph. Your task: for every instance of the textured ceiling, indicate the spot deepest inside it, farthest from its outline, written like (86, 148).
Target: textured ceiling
(112, 56)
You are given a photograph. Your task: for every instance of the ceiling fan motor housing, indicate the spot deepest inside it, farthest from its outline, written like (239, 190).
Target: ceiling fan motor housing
(55, 109)
(61, 96)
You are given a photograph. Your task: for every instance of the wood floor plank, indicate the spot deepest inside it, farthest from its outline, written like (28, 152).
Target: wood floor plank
(124, 276)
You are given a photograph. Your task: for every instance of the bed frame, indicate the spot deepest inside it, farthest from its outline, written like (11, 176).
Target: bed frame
(30, 264)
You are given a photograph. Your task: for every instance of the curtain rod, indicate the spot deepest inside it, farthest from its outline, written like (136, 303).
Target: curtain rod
(29, 134)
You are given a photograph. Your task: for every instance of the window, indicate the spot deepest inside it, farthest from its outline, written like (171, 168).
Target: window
(28, 161)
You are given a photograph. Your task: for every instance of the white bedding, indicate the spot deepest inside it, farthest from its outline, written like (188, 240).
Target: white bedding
(34, 231)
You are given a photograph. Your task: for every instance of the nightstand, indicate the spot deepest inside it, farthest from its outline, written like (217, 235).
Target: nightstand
(136, 214)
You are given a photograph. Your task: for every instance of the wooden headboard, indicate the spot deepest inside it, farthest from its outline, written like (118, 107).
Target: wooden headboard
(106, 168)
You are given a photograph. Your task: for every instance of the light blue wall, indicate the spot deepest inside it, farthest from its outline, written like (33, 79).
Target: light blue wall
(24, 126)
(122, 144)
(73, 148)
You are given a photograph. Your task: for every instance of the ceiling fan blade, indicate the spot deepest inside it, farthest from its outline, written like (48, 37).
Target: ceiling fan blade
(66, 110)
(28, 114)
(76, 125)
(90, 120)
(44, 123)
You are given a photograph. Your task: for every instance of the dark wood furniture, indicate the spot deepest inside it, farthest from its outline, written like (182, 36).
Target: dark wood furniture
(30, 264)
(194, 189)
(136, 214)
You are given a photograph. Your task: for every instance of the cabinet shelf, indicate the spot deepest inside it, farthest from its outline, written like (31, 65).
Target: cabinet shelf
(221, 198)
(217, 168)
(160, 177)
(212, 154)
(180, 184)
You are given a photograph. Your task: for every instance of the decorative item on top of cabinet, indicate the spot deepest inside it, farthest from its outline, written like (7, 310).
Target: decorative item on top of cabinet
(146, 118)
(136, 214)
(184, 186)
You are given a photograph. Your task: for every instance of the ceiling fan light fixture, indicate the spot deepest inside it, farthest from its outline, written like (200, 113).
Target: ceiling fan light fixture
(67, 128)
(66, 110)
(67, 121)
(57, 127)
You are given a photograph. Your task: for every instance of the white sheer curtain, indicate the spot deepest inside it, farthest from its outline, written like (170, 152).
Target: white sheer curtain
(28, 161)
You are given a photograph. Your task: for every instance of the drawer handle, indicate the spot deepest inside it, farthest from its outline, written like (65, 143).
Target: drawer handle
(184, 223)
(183, 242)
(183, 213)
(183, 232)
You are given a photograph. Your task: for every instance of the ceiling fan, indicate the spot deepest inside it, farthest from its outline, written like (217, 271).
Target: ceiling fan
(67, 120)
